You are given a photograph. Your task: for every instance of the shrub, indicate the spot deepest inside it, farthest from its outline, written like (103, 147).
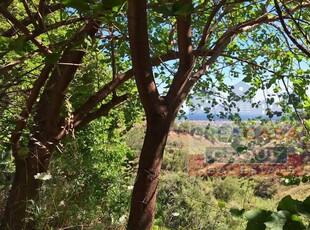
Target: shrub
(265, 188)
(224, 189)
(187, 203)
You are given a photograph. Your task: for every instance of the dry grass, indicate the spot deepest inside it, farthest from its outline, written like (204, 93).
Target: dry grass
(193, 144)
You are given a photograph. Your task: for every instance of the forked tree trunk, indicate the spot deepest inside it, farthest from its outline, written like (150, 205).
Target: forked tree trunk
(145, 188)
(160, 111)
(25, 188)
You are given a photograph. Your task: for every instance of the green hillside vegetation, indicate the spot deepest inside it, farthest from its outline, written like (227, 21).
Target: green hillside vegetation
(196, 203)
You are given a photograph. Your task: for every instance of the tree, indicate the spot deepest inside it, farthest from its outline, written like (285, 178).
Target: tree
(39, 40)
(207, 33)
(194, 44)
(45, 47)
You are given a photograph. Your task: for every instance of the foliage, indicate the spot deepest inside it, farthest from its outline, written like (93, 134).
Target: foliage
(290, 214)
(95, 178)
(265, 188)
(224, 190)
(230, 40)
(188, 203)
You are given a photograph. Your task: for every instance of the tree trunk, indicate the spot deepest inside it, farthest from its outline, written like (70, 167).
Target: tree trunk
(25, 187)
(145, 188)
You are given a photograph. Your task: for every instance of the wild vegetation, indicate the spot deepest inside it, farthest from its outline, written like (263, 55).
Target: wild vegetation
(78, 79)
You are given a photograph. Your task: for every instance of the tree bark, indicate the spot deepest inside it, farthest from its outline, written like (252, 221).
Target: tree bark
(46, 129)
(160, 111)
(25, 187)
(145, 188)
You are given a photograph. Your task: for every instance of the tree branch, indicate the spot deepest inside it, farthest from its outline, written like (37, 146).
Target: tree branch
(287, 32)
(22, 121)
(30, 15)
(141, 61)
(102, 111)
(186, 57)
(24, 29)
(10, 65)
(297, 24)
(56, 25)
(206, 31)
(41, 13)
(47, 10)
(102, 94)
(113, 56)
(64, 74)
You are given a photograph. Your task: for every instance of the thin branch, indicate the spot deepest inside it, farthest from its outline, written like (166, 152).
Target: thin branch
(283, 35)
(297, 24)
(305, 128)
(41, 13)
(56, 25)
(30, 15)
(103, 93)
(288, 33)
(10, 65)
(250, 63)
(47, 10)
(113, 56)
(171, 34)
(24, 29)
(206, 31)
(230, 34)
(102, 111)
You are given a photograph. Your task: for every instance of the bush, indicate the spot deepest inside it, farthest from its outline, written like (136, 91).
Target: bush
(224, 189)
(184, 127)
(265, 188)
(187, 203)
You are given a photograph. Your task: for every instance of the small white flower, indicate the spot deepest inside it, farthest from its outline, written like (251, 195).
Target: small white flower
(130, 187)
(175, 214)
(286, 181)
(43, 176)
(61, 203)
(122, 219)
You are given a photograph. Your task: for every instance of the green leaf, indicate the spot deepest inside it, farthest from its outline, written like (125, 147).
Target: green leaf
(81, 6)
(278, 220)
(271, 82)
(21, 45)
(241, 149)
(307, 123)
(304, 207)
(115, 5)
(236, 213)
(294, 223)
(251, 225)
(289, 204)
(305, 179)
(176, 9)
(221, 204)
(284, 220)
(5, 43)
(247, 79)
(270, 101)
(256, 219)
(165, 10)
(182, 9)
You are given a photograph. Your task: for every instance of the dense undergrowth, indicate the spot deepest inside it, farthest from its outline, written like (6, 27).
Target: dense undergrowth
(90, 181)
